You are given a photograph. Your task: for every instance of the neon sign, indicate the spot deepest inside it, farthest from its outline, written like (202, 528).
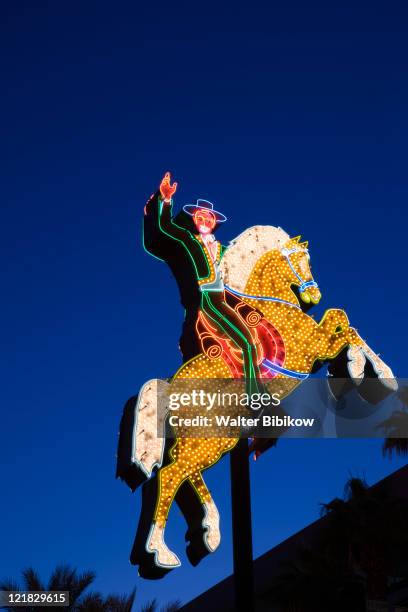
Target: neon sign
(245, 306)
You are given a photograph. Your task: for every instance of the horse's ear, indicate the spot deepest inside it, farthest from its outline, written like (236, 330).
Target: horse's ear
(295, 239)
(304, 244)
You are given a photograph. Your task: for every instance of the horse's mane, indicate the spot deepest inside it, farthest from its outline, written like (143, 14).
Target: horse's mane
(244, 251)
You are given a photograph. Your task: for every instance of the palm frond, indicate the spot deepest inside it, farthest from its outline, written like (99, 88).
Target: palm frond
(355, 488)
(79, 585)
(172, 606)
(61, 578)
(93, 602)
(120, 603)
(150, 606)
(32, 580)
(66, 578)
(399, 446)
(394, 427)
(9, 585)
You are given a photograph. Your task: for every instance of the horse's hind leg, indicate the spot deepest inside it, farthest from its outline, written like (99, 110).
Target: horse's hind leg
(169, 480)
(146, 559)
(190, 456)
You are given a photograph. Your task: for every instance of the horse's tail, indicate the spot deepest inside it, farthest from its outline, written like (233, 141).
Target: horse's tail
(141, 435)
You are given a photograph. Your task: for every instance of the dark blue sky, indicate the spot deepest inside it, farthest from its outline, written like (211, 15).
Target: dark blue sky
(292, 115)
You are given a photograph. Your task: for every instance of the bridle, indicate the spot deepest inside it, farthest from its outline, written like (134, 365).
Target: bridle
(273, 367)
(303, 284)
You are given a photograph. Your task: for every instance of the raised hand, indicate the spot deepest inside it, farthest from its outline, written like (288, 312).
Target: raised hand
(166, 189)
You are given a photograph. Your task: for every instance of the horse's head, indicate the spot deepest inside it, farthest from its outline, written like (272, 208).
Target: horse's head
(296, 259)
(268, 253)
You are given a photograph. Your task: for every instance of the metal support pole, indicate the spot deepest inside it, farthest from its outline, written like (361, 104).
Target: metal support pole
(242, 528)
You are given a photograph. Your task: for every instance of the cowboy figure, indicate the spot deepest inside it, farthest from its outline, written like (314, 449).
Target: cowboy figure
(195, 253)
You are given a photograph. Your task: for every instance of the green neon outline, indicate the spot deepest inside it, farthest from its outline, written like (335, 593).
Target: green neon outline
(206, 303)
(214, 309)
(182, 229)
(209, 264)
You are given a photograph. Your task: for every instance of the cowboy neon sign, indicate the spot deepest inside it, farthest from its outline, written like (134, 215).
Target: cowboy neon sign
(245, 319)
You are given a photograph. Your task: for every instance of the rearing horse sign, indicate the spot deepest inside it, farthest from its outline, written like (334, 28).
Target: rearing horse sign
(246, 321)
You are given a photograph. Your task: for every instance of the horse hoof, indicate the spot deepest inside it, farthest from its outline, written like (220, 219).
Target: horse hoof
(356, 363)
(148, 568)
(163, 556)
(390, 383)
(149, 563)
(213, 539)
(211, 523)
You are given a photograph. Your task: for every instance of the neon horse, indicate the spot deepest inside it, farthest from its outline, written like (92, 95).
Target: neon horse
(270, 272)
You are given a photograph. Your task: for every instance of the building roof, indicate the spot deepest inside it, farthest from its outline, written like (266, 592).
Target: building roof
(221, 596)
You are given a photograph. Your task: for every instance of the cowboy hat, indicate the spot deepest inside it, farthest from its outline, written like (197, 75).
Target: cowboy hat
(190, 209)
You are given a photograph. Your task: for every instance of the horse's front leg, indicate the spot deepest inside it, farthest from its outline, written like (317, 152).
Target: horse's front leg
(335, 336)
(358, 354)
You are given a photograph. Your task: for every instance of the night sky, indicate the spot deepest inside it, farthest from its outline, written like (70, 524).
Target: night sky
(291, 114)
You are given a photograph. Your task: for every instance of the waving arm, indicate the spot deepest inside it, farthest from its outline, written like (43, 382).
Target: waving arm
(166, 223)
(159, 229)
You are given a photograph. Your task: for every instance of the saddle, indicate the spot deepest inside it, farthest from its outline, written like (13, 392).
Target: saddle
(268, 341)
